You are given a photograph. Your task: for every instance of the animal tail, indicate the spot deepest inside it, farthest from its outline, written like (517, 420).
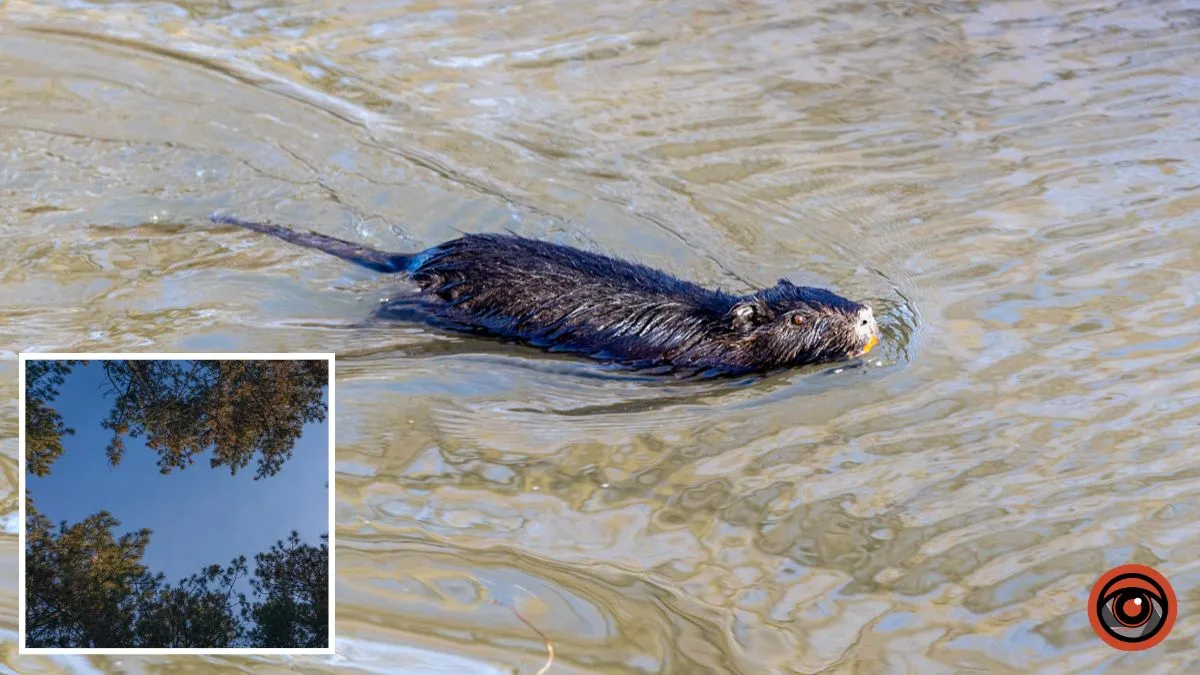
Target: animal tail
(380, 261)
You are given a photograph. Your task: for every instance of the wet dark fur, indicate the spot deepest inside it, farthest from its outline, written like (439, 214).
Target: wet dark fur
(570, 300)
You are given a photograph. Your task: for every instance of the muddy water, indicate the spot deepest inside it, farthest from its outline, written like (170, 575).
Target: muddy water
(1013, 185)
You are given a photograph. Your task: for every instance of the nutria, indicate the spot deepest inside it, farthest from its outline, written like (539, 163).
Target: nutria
(574, 301)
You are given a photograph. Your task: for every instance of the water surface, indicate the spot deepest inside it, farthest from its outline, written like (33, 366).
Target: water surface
(1013, 186)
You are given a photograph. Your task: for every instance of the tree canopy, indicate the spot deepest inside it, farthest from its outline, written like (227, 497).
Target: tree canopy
(238, 409)
(293, 580)
(86, 588)
(83, 586)
(44, 427)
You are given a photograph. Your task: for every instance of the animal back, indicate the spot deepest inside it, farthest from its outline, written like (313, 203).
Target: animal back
(571, 299)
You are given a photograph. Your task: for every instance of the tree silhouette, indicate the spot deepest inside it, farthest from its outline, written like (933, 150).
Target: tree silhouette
(82, 585)
(294, 580)
(196, 612)
(85, 588)
(235, 408)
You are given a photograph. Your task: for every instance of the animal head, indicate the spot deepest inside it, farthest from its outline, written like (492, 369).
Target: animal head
(793, 325)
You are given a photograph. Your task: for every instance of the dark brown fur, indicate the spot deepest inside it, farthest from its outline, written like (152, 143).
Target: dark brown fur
(569, 300)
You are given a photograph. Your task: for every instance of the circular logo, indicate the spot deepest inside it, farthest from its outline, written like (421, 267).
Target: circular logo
(1132, 607)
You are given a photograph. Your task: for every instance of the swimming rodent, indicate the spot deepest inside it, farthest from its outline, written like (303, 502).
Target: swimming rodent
(569, 300)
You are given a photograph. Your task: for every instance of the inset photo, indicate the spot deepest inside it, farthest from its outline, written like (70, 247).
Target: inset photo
(177, 503)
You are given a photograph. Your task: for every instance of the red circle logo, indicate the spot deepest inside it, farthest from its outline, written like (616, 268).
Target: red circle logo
(1132, 607)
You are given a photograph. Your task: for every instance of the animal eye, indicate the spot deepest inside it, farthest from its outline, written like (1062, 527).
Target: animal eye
(864, 322)
(797, 319)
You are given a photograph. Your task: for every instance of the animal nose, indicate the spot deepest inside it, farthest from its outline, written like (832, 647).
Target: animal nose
(867, 329)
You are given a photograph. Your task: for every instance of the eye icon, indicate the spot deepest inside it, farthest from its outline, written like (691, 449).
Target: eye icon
(1132, 607)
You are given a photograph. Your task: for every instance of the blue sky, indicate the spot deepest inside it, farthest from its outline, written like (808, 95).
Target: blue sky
(199, 515)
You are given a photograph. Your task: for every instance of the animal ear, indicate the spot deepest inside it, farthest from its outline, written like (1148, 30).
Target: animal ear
(748, 314)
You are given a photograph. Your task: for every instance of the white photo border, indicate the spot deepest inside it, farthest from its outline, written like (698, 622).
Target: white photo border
(172, 356)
